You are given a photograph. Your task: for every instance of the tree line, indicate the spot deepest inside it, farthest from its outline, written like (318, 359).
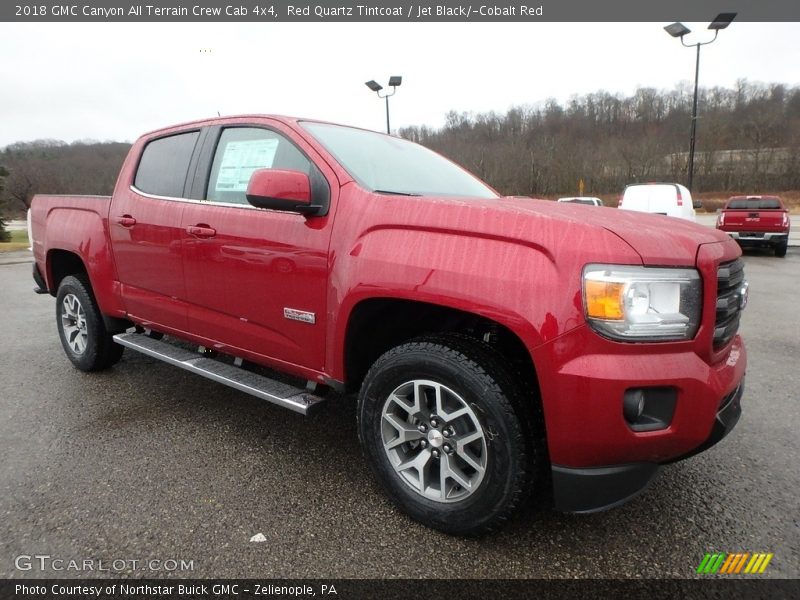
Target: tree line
(748, 141)
(55, 167)
(4, 235)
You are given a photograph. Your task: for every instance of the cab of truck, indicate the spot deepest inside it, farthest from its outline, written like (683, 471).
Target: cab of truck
(671, 199)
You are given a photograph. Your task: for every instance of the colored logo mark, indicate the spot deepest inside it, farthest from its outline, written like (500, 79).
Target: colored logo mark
(741, 562)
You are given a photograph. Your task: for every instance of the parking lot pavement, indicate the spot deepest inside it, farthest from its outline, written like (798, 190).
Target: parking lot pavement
(16, 257)
(149, 462)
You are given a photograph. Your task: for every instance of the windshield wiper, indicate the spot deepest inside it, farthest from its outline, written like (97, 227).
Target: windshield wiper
(393, 193)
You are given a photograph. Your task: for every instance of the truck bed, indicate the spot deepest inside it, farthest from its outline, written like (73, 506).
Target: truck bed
(60, 209)
(753, 214)
(71, 223)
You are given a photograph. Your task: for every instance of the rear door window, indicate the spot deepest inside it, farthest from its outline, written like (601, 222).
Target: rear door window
(164, 164)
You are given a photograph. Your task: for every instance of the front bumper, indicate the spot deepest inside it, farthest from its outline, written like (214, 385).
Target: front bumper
(587, 490)
(598, 459)
(727, 417)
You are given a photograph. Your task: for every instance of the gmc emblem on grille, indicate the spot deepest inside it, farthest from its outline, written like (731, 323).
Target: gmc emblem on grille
(743, 293)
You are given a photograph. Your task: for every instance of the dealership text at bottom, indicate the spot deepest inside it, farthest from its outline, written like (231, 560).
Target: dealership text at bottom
(200, 590)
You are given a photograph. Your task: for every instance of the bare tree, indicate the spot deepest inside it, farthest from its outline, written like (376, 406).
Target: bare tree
(54, 167)
(748, 140)
(4, 235)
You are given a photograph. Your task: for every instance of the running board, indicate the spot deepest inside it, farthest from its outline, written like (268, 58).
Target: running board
(282, 394)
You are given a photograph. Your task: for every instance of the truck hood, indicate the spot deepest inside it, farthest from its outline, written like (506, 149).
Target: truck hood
(657, 239)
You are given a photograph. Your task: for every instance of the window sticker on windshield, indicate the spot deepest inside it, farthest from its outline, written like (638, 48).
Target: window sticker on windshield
(241, 159)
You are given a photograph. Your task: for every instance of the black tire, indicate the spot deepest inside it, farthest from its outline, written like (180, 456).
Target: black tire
(478, 377)
(96, 349)
(780, 250)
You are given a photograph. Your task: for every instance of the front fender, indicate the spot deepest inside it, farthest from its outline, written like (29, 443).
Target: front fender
(501, 279)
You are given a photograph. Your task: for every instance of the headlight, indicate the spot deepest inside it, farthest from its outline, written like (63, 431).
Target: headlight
(635, 304)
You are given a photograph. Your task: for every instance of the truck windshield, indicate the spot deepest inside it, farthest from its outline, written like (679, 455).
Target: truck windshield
(390, 165)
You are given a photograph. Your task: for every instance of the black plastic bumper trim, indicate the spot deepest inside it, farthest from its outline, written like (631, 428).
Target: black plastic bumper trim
(41, 286)
(599, 488)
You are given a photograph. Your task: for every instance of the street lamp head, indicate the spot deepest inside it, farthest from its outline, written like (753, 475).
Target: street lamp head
(395, 80)
(374, 85)
(722, 20)
(677, 30)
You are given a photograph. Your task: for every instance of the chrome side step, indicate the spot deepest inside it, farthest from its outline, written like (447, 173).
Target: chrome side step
(282, 394)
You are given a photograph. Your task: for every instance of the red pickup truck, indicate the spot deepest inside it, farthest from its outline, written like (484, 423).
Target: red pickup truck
(756, 221)
(500, 347)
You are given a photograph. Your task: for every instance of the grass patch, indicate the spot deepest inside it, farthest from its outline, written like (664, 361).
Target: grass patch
(19, 241)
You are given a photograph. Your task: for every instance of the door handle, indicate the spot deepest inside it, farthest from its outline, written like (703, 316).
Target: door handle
(201, 231)
(126, 221)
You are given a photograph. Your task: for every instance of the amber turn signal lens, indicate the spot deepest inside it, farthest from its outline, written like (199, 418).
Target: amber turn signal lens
(604, 299)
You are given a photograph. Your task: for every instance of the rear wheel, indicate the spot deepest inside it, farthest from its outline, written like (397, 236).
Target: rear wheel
(81, 329)
(780, 250)
(442, 434)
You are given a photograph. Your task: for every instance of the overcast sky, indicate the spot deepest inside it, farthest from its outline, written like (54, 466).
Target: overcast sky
(114, 81)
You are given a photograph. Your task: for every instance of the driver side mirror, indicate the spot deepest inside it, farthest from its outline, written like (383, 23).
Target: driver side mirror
(278, 189)
(697, 204)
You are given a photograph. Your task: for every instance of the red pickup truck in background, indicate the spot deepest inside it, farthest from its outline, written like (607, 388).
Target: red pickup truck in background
(756, 221)
(500, 347)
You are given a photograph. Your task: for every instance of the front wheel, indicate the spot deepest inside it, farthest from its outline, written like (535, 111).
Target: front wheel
(443, 437)
(81, 329)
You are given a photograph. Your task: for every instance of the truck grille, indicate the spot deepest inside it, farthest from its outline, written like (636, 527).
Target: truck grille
(730, 277)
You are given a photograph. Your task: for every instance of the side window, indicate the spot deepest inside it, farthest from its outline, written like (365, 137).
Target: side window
(242, 150)
(164, 163)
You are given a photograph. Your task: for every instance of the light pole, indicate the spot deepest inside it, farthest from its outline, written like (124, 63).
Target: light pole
(394, 81)
(679, 30)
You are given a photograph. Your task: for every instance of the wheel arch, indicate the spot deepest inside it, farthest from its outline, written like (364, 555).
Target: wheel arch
(62, 263)
(377, 324)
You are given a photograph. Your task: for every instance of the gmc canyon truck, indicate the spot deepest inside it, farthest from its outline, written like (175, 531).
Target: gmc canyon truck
(500, 347)
(756, 221)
